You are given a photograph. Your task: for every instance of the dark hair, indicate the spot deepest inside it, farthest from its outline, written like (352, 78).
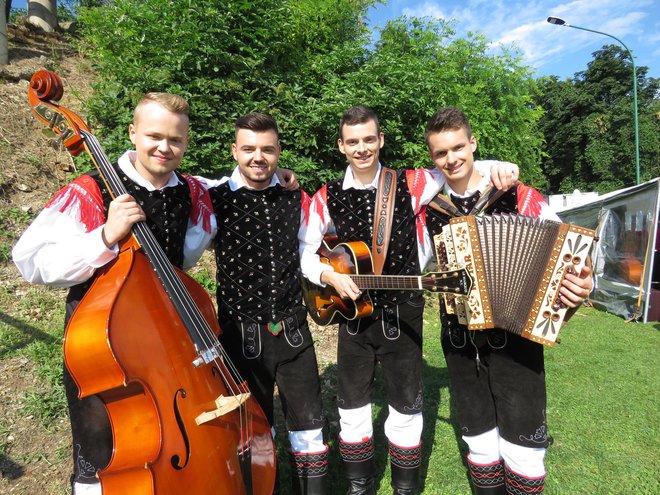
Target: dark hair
(447, 119)
(358, 115)
(257, 122)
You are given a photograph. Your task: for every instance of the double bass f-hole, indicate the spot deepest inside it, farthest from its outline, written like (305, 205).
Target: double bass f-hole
(182, 419)
(176, 459)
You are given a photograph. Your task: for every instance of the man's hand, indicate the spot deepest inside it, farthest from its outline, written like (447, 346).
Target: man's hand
(576, 288)
(504, 175)
(123, 213)
(342, 283)
(287, 178)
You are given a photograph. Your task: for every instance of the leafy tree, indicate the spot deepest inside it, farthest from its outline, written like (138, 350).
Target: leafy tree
(226, 57)
(588, 125)
(304, 62)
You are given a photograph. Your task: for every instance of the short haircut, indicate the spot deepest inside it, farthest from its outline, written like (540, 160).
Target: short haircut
(257, 122)
(358, 115)
(447, 119)
(173, 103)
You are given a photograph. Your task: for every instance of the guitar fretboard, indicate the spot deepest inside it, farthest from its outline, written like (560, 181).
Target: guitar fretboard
(387, 282)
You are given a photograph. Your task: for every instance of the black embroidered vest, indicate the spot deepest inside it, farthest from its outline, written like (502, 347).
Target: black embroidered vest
(167, 211)
(352, 211)
(256, 250)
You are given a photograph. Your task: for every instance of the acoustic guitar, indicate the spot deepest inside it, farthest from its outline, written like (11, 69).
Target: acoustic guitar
(326, 307)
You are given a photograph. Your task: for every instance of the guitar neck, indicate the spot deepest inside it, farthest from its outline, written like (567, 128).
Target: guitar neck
(393, 282)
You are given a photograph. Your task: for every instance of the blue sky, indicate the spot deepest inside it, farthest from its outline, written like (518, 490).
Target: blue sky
(551, 50)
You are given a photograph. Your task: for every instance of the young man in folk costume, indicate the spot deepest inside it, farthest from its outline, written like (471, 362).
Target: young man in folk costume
(393, 335)
(497, 378)
(264, 322)
(78, 230)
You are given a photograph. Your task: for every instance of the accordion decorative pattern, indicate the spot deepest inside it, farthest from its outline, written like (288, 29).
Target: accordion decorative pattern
(517, 264)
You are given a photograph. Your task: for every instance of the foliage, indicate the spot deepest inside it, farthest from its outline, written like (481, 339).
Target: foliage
(226, 57)
(15, 13)
(304, 62)
(588, 125)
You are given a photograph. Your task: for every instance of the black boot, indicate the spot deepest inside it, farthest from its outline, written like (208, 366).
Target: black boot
(310, 470)
(487, 479)
(404, 465)
(359, 469)
(517, 483)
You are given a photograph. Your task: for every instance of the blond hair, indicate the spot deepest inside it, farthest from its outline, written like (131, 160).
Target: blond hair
(169, 101)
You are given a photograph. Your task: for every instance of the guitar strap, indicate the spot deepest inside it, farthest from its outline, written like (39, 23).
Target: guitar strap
(385, 197)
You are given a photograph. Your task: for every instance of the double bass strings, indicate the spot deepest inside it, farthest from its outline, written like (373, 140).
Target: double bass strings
(174, 287)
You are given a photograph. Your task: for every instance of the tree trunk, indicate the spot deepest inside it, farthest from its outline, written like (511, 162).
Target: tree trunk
(43, 14)
(4, 51)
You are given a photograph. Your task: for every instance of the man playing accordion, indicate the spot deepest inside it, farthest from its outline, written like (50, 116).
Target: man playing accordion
(497, 377)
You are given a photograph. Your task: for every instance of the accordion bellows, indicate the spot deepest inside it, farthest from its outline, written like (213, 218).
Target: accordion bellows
(518, 264)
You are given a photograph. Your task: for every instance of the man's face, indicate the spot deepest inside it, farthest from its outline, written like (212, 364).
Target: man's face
(257, 154)
(452, 153)
(361, 143)
(160, 138)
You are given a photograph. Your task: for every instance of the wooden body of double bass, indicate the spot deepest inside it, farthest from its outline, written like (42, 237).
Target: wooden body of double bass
(126, 343)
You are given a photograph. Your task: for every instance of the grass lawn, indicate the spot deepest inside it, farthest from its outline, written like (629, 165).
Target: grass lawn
(602, 402)
(603, 411)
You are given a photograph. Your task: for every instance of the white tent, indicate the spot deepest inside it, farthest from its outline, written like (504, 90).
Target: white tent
(626, 257)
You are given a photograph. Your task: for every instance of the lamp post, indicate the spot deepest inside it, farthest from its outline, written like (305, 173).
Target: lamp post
(561, 22)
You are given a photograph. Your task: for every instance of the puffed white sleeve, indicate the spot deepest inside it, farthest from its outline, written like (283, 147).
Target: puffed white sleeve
(58, 248)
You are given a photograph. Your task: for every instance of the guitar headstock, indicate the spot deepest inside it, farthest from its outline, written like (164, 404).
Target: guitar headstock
(457, 282)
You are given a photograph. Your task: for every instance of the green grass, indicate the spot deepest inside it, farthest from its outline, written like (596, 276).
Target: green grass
(602, 401)
(602, 413)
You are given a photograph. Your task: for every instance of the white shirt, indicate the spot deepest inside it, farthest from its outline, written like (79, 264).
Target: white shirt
(57, 250)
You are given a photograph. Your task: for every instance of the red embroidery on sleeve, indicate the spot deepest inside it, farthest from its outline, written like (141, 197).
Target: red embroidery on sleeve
(202, 208)
(305, 203)
(416, 180)
(320, 202)
(85, 192)
(420, 223)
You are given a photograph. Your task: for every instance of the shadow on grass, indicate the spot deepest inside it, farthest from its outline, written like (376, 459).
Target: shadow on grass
(10, 469)
(27, 335)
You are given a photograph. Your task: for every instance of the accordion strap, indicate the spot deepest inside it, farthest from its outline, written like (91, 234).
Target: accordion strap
(489, 196)
(383, 218)
(444, 205)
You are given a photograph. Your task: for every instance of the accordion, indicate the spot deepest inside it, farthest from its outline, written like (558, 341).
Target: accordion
(517, 264)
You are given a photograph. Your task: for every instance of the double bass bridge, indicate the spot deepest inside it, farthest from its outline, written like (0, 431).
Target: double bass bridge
(223, 405)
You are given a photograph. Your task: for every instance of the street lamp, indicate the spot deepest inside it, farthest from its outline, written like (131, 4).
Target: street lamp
(561, 22)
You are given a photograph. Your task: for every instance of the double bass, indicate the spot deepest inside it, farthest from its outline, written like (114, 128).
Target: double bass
(144, 340)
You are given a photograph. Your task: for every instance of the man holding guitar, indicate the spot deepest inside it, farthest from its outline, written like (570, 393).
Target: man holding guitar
(392, 333)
